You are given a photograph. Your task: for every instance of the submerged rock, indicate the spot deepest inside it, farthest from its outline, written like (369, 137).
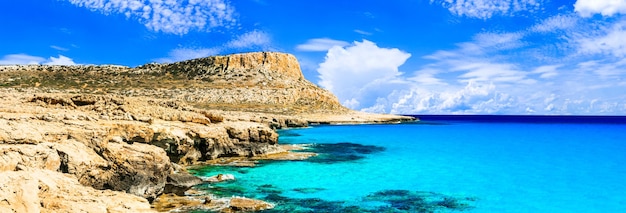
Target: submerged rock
(341, 152)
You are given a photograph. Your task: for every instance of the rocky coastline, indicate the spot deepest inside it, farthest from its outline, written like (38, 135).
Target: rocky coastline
(115, 139)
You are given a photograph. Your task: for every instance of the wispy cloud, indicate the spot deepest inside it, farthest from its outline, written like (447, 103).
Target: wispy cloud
(606, 40)
(168, 16)
(14, 59)
(20, 59)
(362, 32)
(587, 8)
(497, 73)
(486, 9)
(320, 44)
(250, 39)
(181, 54)
(59, 48)
(547, 71)
(554, 23)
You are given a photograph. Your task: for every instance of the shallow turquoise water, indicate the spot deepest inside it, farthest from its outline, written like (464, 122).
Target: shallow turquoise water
(488, 167)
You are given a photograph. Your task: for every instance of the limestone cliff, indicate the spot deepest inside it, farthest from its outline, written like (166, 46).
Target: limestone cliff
(69, 131)
(256, 82)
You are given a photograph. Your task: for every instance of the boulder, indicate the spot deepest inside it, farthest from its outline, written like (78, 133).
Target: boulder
(179, 183)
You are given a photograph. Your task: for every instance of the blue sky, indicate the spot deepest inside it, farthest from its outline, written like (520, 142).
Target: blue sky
(400, 56)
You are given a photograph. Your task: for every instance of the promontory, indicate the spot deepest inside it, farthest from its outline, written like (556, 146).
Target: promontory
(113, 138)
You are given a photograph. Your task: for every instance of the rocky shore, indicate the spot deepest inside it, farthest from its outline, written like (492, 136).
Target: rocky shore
(115, 139)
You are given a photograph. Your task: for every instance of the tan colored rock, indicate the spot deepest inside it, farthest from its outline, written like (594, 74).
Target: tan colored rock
(138, 169)
(220, 178)
(49, 191)
(19, 156)
(241, 204)
(174, 203)
(120, 128)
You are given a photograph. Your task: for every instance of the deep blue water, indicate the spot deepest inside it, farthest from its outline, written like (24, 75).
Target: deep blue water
(447, 164)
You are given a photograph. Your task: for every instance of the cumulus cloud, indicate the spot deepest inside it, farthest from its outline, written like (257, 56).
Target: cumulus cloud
(320, 45)
(21, 59)
(61, 60)
(351, 72)
(486, 9)
(168, 16)
(588, 8)
(473, 98)
(490, 74)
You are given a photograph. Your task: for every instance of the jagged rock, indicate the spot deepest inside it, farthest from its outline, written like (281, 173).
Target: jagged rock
(139, 169)
(241, 204)
(175, 203)
(219, 178)
(179, 183)
(48, 191)
(120, 128)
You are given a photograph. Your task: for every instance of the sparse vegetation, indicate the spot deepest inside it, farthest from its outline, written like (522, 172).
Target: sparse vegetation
(208, 83)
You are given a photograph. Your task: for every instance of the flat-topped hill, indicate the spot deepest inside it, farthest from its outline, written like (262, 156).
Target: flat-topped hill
(258, 82)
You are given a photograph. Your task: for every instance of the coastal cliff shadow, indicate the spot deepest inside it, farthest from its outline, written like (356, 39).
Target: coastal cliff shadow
(340, 152)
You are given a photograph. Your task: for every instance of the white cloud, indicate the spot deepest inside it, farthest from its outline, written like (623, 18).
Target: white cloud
(320, 44)
(253, 39)
(182, 54)
(498, 41)
(21, 59)
(365, 33)
(350, 72)
(587, 8)
(473, 98)
(168, 16)
(485, 9)
(427, 77)
(14, 59)
(491, 72)
(250, 39)
(606, 69)
(547, 71)
(59, 48)
(61, 60)
(482, 44)
(608, 41)
(558, 22)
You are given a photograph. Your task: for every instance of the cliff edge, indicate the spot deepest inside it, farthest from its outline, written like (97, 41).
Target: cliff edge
(116, 137)
(255, 82)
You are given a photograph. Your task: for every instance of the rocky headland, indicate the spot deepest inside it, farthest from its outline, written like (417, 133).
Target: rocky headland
(115, 139)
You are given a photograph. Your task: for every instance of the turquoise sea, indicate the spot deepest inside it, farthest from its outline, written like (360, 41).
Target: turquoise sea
(446, 164)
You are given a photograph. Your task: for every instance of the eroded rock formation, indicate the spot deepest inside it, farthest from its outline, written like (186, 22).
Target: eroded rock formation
(77, 132)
